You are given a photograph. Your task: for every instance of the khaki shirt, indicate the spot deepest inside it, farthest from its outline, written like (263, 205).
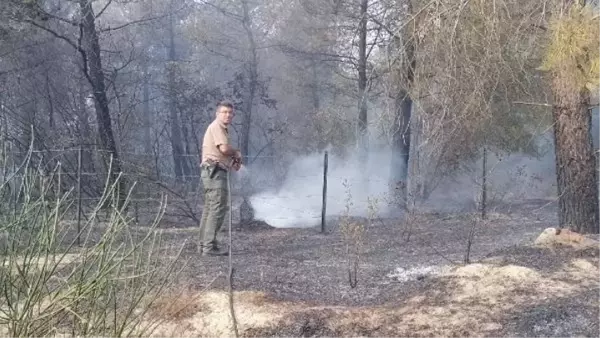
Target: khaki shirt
(216, 134)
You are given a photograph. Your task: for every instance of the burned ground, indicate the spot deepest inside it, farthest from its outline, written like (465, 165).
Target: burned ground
(305, 265)
(532, 291)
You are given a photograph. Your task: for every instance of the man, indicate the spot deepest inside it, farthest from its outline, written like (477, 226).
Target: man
(218, 157)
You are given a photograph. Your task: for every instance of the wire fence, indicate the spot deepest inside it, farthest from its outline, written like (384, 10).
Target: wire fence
(307, 194)
(307, 191)
(80, 174)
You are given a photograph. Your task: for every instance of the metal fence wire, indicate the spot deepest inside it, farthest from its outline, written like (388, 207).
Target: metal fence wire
(79, 177)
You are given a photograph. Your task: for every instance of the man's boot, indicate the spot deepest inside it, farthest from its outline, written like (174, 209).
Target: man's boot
(213, 251)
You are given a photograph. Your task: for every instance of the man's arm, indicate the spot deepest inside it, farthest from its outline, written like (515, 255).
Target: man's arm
(228, 150)
(222, 142)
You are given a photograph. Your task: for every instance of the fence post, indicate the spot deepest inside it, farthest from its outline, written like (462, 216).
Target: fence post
(79, 196)
(324, 208)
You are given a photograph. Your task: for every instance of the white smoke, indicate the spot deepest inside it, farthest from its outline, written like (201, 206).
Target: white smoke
(298, 202)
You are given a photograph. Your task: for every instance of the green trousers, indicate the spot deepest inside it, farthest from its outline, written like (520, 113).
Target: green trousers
(215, 206)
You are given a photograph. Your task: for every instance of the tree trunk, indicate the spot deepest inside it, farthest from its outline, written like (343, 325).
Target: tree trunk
(146, 107)
(187, 145)
(484, 183)
(316, 99)
(181, 167)
(577, 179)
(414, 182)
(96, 79)
(247, 117)
(575, 162)
(252, 78)
(50, 102)
(362, 85)
(85, 135)
(401, 143)
(246, 213)
(401, 137)
(29, 132)
(403, 109)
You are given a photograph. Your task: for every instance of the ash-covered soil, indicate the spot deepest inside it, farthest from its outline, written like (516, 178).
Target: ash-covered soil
(303, 264)
(307, 268)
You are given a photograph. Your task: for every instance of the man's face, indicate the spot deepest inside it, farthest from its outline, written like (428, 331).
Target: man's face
(225, 115)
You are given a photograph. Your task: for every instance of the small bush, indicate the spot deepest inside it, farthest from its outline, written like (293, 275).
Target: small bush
(352, 236)
(50, 286)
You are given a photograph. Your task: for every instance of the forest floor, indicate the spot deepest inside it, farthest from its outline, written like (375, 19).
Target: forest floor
(294, 282)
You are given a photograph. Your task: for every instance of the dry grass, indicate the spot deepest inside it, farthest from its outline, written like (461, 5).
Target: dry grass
(177, 306)
(58, 260)
(472, 300)
(556, 237)
(253, 309)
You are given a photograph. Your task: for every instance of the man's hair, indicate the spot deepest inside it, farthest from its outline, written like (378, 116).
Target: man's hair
(225, 103)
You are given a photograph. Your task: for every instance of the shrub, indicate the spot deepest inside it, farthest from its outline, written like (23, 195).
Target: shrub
(49, 285)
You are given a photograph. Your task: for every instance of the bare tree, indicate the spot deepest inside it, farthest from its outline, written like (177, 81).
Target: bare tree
(402, 44)
(89, 47)
(179, 159)
(362, 121)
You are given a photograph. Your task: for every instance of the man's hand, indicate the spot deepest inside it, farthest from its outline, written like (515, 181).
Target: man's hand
(236, 165)
(237, 161)
(230, 151)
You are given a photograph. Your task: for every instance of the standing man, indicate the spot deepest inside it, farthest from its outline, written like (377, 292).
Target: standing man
(218, 158)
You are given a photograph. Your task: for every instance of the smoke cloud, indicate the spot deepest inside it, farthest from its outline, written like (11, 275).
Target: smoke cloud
(297, 202)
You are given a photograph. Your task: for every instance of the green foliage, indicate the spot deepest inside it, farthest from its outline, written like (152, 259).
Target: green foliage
(51, 286)
(573, 50)
(475, 62)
